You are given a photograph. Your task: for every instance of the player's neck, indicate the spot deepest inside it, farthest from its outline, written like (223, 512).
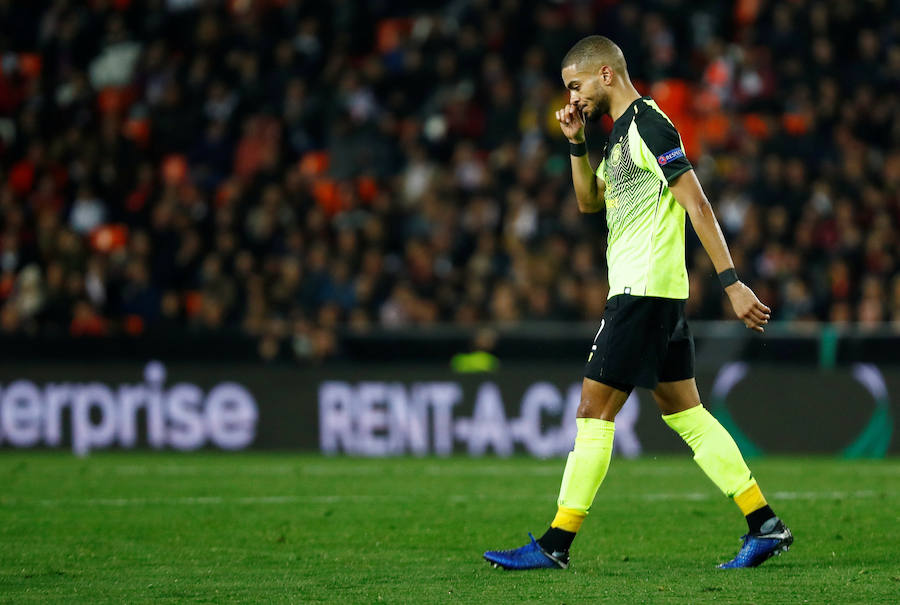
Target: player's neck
(620, 99)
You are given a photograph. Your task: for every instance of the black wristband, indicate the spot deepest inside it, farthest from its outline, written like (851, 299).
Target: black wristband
(577, 149)
(728, 277)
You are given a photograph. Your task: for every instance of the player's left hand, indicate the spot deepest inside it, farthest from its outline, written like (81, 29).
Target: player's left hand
(753, 313)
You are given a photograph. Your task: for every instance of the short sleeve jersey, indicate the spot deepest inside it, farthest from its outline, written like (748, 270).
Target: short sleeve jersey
(645, 251)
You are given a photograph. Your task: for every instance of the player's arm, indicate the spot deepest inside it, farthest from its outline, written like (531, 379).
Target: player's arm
(688, 192)
(589, 188)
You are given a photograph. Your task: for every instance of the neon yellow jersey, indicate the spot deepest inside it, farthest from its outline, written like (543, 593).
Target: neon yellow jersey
(645, 250)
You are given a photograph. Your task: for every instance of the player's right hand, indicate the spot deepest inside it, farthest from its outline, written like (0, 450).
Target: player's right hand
(747, 307)
(571, 122)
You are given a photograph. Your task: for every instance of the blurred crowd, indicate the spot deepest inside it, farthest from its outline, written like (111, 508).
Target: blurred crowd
(288, 169)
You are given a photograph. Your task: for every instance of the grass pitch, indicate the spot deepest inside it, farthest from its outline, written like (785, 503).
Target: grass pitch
(212, 528)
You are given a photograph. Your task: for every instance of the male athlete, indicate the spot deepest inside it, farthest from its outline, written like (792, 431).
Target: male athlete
(647, 184)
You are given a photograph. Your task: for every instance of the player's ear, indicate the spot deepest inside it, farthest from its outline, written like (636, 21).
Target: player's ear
(606, 75)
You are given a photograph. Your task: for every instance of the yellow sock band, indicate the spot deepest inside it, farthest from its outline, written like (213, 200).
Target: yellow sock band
(714, 450)
(750, 499)
(568, 520)
(587, 464)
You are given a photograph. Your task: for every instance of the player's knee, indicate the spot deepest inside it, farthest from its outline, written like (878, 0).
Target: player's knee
(672, 402)
(666, 405)
(599, 400)
(604, 409)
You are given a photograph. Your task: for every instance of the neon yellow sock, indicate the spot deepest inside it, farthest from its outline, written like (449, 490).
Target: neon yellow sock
(714, 449)
(568, 519)
(585, 469)
(750, 500)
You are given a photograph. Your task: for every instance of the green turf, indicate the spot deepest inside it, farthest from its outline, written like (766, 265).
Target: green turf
(125, 528)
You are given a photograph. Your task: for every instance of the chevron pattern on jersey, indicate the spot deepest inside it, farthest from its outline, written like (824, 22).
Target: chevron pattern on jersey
(635, 191)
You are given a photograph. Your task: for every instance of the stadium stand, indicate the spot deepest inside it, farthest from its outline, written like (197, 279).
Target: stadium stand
(288, 169)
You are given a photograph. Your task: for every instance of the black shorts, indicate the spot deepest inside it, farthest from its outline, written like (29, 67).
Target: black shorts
(642, 341)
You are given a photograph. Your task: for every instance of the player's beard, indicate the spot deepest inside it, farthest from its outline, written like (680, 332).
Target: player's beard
(600, 109)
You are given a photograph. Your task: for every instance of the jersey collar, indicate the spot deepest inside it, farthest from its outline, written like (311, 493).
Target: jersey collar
(630, 112)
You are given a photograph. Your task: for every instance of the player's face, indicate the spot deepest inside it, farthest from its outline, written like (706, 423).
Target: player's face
(586, 92)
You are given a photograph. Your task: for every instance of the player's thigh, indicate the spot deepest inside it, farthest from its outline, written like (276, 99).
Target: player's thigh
(600, 400)
(676, 396)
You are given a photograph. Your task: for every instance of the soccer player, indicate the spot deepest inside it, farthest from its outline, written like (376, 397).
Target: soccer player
(647, 185)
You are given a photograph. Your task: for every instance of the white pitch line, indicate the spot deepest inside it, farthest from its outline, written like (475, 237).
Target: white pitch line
(833, 495)
(367, 468)
(492, 470)
(487, 470)
(193, 470)
(456, 498)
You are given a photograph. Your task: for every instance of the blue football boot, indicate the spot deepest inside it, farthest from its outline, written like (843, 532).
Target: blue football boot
(530, 556)
(773, 539)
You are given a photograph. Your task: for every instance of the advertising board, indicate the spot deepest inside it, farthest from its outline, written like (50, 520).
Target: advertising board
(390, 409)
